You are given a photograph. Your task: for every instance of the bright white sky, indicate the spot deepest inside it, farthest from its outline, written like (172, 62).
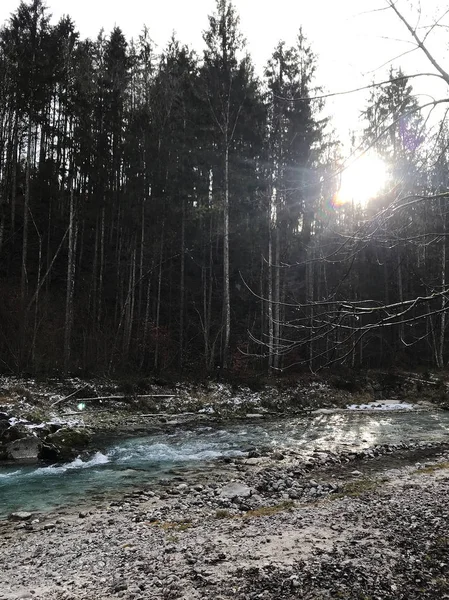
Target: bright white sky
(353, 43)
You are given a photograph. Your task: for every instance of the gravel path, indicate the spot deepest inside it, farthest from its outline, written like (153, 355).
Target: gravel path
(262, 528)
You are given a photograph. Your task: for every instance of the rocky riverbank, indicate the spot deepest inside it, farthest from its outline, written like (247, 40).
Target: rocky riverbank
(363, 526)
(56, 419)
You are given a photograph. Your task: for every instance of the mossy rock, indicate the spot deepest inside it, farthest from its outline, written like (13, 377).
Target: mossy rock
(68, 442)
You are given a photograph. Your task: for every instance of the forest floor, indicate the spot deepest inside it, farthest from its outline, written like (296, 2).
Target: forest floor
(371, 527)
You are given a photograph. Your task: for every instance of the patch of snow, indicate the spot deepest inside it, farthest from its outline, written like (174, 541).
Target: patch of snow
(384, 405)
(66, 422)
(207, 409)
(15, 421)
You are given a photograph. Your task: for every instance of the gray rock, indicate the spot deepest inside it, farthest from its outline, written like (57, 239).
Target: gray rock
(20, 516)
(24, 449)
(253, 461)
(235, 490)
(10, 433)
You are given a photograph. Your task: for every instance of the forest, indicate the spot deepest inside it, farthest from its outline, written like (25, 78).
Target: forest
(175, 211)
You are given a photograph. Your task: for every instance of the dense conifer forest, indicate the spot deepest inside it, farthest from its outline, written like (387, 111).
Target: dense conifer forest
(175, 211)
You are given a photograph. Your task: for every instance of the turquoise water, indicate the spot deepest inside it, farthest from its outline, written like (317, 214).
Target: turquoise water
(143, 460)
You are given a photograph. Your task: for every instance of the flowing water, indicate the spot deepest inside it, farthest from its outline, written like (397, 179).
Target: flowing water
(143, 460)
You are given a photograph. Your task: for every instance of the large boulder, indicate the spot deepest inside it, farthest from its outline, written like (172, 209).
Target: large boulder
(24, 449)
(4, 424)
(9, 433)
(68, 443)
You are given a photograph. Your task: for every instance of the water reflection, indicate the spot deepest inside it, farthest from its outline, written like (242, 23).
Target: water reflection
(141, 460)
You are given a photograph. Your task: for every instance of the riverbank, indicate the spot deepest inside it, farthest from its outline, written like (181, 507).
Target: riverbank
(365, 526)
(56, 420)
(125, 406)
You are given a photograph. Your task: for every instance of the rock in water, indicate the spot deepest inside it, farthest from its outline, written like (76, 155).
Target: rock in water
(20, 516)
(68, 442)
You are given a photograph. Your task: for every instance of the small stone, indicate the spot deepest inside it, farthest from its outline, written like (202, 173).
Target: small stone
(252, 461)
(235, 490)
(295, 582)
(278, 456)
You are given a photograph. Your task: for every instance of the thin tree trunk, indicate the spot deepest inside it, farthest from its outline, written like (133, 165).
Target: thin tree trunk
(36, 307)
(310, 298)
(101, 269)
(158, 306)
(141, 257)
(130, 303)
(146, 323)
(70, 282)
(277, 284)
(443, 287)
(262, 303)
(270, 289)
(14, 179)
(226, 284)
(400, 293)
(26, 208)
(182, 286)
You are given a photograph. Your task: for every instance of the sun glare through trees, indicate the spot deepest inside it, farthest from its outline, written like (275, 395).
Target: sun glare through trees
(362, 180)
(167, 208)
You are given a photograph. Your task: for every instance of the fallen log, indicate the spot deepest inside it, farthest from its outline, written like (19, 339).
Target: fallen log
(126, 397)
(118, 398)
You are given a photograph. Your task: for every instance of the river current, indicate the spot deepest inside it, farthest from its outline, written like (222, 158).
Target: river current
(144, 460)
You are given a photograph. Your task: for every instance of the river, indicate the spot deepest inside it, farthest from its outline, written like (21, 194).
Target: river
(145, 459)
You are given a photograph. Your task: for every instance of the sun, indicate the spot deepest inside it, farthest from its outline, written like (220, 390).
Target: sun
(362, 180)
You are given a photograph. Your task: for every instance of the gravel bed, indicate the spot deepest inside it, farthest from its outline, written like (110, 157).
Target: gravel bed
(365, 526)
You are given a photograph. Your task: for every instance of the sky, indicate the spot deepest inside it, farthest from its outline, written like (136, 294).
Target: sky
(354, 39)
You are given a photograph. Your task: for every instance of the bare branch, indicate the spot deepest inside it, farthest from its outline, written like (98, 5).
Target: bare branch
(420, 43)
